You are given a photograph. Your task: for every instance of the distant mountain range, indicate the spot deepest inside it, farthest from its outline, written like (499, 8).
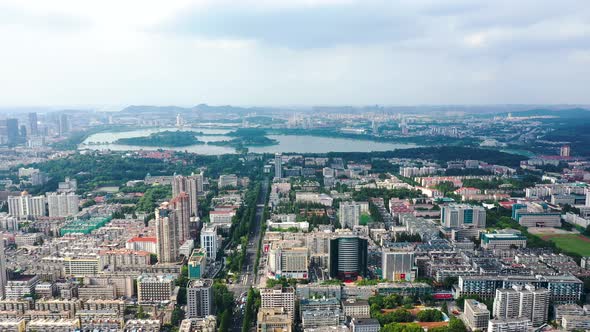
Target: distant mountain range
(503, 110)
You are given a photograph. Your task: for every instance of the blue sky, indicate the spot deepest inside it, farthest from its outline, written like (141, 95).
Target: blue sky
(294, 52)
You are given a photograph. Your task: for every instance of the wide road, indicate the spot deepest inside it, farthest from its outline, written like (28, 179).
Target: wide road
(247, 277)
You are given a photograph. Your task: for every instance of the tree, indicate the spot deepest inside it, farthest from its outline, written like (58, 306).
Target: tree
(177, 316)
(430, 315)
(456, 325)
(394, 327)
(402, 316)
(141, 314)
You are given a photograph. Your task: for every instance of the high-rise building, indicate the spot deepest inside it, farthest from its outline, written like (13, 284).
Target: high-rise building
(477, 315)
(398, 265)
(33, 124)
(279, 297)
(348, 257)
(12, 131)
(565, 151)
(522, 302)
(197, 264)
(25, 205)
(167, 234)
(181, 206)
(209, 242)
(62, 205)
(191, 185)
(178, 185)
(278, 165)
(199, 298)
(460, 215)
(64, 124)
(3, 275)
(349, 214)
(194, 185)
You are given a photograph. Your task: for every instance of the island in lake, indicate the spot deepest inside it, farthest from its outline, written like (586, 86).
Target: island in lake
(164, 138)
(246, 137)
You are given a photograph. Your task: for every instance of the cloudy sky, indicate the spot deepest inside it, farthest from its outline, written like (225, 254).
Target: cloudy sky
(294, 52)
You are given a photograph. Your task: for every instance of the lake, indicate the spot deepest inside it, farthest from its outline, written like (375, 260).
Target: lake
(287, 143)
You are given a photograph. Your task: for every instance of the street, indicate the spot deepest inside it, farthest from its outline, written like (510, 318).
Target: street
(248, 278)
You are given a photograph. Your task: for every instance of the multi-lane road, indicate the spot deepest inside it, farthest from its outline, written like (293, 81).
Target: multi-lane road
(248, 278)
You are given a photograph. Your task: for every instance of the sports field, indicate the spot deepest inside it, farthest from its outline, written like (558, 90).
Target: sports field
(572, 243)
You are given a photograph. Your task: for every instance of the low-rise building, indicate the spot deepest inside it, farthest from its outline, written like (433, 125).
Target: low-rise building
(273, 320)
(154, 289)
(356, 308)
(365, 325)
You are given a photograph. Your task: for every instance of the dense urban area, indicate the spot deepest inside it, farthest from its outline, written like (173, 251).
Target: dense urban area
(216, 219)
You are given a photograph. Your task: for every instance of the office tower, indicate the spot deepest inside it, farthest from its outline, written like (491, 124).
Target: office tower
(349, 214)
(199, 298)
(62, 205)
(12, 131)
(181, 206)
(459, 215)
(3, 275)
(25, 205)
(348, 257)
(64, 124)
(522, 302)
(23, 132)
(565, 151)
(279, 297)
(167, 234)
(278, 165)
(33, 124)
(209, 242)
(397, 265)
(476, 314)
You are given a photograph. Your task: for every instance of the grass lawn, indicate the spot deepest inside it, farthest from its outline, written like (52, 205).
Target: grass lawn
(573, 243)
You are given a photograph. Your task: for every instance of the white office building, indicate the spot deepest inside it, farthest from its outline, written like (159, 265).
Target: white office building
(210, 242)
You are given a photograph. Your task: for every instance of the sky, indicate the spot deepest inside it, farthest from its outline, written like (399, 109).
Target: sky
(294, 52)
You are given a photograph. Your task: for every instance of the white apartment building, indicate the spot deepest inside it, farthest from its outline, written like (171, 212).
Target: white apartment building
(25, 205)
(62, 205)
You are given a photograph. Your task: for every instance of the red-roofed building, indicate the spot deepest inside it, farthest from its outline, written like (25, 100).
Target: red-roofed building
(148, 244)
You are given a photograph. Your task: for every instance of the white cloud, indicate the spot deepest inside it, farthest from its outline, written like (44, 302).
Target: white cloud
(292, 52)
